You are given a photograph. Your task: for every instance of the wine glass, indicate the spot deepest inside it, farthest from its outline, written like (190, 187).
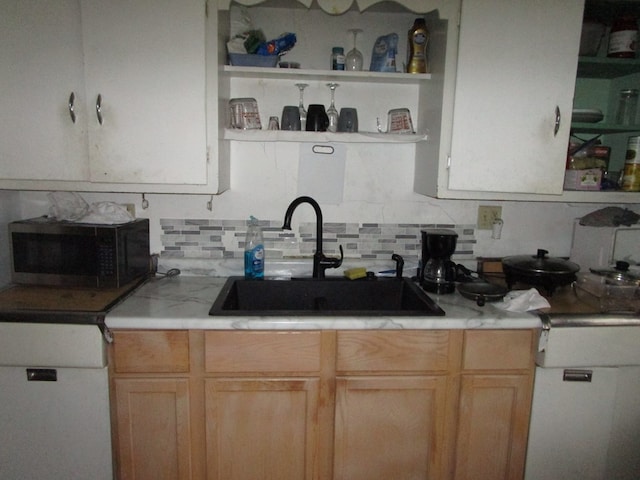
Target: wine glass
(354, 60)
(303, 112)
(332, 112)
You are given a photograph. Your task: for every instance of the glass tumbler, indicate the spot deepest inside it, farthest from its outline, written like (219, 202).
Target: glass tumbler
(627, 107)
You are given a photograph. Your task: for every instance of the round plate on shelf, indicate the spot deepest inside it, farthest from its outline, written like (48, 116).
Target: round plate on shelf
(586, 115)
(335, 7)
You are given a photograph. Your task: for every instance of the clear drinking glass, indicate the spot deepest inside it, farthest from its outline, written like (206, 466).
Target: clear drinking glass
(332, 112)
(303, 112)
(354, 59)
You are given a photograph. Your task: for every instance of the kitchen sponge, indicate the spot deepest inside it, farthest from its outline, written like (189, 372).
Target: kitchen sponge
(355, 273)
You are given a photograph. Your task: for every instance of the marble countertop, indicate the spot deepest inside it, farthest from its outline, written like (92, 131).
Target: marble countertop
(183, 302)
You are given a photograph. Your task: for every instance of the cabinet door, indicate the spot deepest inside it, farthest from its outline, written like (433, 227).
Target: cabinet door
(41, 58)
(154, 435)
(515, 77)
(145, 66)
(262, 428)
(390, 427)
(493, 425)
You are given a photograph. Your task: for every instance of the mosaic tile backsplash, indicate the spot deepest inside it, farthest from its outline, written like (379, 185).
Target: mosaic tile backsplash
(224, 239)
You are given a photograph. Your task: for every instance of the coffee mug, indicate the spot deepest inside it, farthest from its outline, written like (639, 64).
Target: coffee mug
(348, 120)
(290, 118)
(317, 119)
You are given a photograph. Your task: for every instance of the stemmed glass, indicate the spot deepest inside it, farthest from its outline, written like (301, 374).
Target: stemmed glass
(354, 60)
(332, 113)
(303, 112)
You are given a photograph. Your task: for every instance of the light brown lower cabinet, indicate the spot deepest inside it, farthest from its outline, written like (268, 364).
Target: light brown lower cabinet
(321, 405)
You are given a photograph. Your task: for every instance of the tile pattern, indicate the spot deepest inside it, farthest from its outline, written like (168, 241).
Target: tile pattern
(220, 239)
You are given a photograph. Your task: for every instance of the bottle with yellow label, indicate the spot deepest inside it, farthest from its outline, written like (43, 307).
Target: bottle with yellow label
(631, 174)
(418, 39)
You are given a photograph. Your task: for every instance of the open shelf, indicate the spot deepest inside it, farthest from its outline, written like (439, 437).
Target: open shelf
(599, 67)
(320, 137)
(602, 128)
(325, 75)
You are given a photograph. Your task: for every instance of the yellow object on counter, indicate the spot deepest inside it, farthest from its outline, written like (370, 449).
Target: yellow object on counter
(355, 273)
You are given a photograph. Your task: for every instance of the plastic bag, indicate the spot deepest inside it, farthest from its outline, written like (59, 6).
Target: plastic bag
(67, 206)
(383, 56)
(71, 207)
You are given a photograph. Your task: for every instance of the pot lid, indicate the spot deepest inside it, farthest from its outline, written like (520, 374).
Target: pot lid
(540, 263)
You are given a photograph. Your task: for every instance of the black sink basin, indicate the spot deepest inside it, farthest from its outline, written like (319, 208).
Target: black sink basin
(323, 297)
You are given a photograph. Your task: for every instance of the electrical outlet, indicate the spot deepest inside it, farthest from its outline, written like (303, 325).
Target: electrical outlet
(487, 214)
(131, 208)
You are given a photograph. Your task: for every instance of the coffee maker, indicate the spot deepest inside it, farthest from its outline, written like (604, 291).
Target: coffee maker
(438, 271)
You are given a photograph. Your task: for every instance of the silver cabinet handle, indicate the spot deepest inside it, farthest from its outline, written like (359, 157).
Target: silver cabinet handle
(99, 109)
(558, 118)
(575, 375)
(72, 111)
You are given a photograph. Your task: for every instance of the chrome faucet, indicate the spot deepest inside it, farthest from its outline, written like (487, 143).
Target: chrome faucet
(320, 261)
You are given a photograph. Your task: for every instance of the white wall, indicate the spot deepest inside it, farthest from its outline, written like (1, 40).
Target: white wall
(377, 188)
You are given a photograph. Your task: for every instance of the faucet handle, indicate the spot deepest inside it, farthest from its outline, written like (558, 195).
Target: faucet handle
(332, 262)
(399, 264)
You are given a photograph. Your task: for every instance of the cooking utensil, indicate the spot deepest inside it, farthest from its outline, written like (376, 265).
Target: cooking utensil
(482, 292)
(539, 270)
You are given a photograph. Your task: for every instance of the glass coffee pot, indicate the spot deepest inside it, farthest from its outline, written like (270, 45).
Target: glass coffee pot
(438, 271)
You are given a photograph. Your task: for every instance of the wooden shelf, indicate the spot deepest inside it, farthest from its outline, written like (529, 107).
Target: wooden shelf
(598, 67)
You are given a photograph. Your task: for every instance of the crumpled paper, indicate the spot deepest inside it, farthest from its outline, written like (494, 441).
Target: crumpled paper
(71, 207)
(523, 301)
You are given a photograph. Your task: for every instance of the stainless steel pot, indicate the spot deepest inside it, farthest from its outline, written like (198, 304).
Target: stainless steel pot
(539, 270)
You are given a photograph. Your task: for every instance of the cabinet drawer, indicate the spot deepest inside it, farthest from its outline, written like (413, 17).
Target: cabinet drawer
(498, 349)
(151, 351)
(385, 351)
(262, 351)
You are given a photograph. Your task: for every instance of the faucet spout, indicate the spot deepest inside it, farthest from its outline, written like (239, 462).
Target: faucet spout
(320, 261)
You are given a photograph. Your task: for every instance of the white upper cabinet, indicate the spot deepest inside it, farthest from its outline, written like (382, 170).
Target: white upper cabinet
(145, 72)
(41, 63)
(144, 78)
(511, 110)
(514, 95)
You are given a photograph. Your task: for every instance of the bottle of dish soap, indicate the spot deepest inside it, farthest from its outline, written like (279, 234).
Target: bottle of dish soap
(254, 251)
(417, 47)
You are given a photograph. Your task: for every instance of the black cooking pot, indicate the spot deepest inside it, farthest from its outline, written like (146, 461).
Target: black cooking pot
(482, 292)
(539, 270)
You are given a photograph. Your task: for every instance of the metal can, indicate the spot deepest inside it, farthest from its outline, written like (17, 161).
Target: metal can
(631, 172)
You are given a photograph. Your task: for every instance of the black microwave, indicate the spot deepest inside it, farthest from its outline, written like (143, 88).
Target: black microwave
(45, 251)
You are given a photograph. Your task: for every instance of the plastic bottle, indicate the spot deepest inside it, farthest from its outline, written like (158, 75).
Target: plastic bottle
(337, 58)
(623, 37)
(254, 251)
(417, 47)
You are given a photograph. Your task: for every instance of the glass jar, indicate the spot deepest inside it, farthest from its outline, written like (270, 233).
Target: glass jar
(623, 37)
(337, 58)
(627, 107)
